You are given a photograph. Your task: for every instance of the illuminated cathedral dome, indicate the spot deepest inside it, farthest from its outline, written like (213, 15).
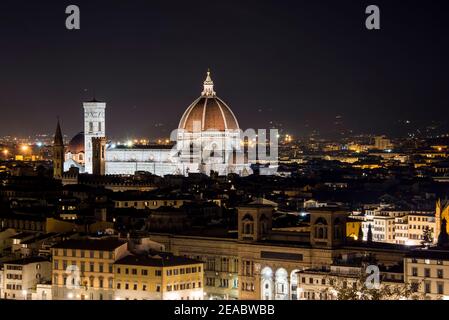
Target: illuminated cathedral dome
(76, 145)
(208, 112)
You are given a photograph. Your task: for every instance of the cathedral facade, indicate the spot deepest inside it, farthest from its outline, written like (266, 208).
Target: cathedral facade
(208, 139)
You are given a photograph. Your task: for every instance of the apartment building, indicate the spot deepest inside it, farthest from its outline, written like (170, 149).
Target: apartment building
(428, 271)
(322, 283)
(21, 277)
(83, 268)
(158, 277)
(417, 224)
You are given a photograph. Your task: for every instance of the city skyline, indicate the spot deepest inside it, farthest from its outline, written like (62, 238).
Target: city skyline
(297, 64)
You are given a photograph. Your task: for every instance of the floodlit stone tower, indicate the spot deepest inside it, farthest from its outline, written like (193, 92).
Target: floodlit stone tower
(94, 127)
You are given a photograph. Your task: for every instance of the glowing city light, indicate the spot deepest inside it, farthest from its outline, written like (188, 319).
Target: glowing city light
(24, 148)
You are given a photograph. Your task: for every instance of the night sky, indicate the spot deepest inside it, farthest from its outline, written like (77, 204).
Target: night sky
(299, 63)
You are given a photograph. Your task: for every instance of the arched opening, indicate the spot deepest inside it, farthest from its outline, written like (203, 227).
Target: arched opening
(294, 284)
(263, 221)
(281, 285)
(337, 229)
(267, 284)
(320, 228)
(248, 225)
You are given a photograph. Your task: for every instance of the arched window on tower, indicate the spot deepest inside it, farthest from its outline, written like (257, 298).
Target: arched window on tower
(248, 225)
(320, 228)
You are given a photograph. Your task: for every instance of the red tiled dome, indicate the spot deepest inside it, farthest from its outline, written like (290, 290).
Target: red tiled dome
(209, 111)
(76, 145)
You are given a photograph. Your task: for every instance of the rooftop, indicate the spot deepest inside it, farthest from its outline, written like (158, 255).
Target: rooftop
(161, 260)
(107, 244)
(26, 261)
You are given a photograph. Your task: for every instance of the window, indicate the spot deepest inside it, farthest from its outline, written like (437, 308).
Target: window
(100, 254)
(144, 272)
(440, 288)
(126, 271)
(427, 272)
(135, 286)
(158, 273)
(82, 253)
(99, 126)
(110, 283)
(73, 253)
(224, 283)
(134, 271)
(91, 253)
(110, 268)
(101, 283)
(415, 271)
(126, 286)
(118, 270)
(440, 273)
(64, 252)
(427, 287)
(56, 265)
(210, 282)
(91, 126)
(100, 268)
(91, 267)
(158, 288)
(144, 288)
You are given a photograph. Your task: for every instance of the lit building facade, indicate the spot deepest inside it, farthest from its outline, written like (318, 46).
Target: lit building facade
(20, 277)
(258, 263)
(83, 269)
(160, 277)
(428, 270)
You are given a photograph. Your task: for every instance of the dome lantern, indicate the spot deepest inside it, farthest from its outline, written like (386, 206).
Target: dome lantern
(208, 86)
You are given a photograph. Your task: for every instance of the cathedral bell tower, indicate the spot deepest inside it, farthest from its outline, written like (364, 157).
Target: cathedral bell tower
(94, 127)
(58, 154)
